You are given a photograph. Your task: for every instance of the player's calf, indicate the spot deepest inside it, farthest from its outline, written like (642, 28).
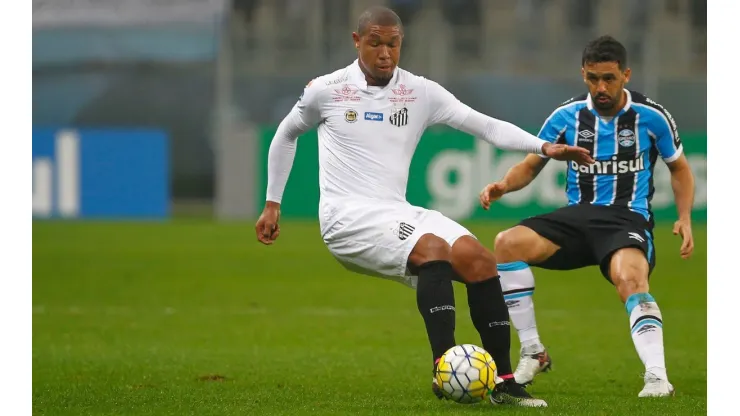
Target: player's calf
(435, 296)
(477, 267)
(629, 271)
(513, 248)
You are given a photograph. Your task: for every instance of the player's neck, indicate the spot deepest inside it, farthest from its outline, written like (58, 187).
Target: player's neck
(617, 108)
(372, 82)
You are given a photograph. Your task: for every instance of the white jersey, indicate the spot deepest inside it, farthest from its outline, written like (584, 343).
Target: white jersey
(368, 135)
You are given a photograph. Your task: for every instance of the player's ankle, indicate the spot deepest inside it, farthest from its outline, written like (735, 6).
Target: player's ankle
(659, 372)
(532, 343)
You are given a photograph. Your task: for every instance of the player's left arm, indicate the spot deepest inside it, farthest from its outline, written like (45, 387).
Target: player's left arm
(445, 108)
(670, 149)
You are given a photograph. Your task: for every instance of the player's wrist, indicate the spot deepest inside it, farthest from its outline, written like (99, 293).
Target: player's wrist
(545, 146)
(505, 186)
(272, 205)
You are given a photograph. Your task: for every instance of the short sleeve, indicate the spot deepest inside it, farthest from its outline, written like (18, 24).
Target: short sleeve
(665, 133)
(553, 130)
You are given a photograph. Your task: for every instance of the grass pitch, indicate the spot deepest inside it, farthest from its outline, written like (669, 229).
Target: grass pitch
(196, 318)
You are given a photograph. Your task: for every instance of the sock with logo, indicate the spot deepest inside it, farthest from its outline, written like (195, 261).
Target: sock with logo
(491, 318)
(646, 325)
(517, 282)
(435, 298)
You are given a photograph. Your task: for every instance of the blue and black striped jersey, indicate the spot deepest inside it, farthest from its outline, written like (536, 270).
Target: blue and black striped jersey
(625, 147)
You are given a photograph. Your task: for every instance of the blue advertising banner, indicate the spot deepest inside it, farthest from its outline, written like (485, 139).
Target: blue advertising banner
(103, 174)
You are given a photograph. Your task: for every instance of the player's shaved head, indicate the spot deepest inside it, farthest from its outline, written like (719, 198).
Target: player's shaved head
(378, 16)
(378, 41)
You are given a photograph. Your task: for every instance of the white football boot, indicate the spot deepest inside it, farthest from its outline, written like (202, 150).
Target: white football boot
(656, 387)
(533, 360)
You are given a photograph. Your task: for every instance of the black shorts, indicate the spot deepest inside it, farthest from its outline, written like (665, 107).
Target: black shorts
(588, 235)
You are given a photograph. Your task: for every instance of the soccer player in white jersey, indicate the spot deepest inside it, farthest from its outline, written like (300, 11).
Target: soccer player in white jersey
(370, 116)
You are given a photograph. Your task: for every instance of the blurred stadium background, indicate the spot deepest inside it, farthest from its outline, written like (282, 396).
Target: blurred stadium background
(164, 110)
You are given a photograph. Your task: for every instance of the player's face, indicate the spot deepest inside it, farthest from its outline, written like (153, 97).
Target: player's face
(379, 49)
(605, 82)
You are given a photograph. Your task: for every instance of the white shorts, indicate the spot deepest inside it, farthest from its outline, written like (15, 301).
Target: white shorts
(376, 238)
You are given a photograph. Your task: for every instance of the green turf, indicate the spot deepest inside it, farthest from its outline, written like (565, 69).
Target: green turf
(146, 318)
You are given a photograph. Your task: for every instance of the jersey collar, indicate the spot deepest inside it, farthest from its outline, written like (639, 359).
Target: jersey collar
(627, 105)
(358, 77)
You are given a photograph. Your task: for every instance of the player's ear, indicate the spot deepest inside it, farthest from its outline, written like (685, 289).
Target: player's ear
(583, 74)
(627, 75)
(356, 38)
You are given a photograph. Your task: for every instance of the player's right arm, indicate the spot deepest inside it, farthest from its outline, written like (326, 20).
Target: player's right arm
(304, 115)
(445, 108)
(519, 176)
(524, 172)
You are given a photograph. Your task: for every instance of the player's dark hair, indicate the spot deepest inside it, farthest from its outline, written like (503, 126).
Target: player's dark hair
(605, 49)
(378, 15)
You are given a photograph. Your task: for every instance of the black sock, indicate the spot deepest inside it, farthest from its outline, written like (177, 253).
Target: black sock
(435, 298)
(491, 318)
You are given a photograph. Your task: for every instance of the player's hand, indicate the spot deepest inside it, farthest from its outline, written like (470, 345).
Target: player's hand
(577, 154)
(267, 227)
(492, 193)
(683, 228)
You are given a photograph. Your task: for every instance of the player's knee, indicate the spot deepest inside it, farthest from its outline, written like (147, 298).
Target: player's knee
(430, 248)
(506, 247)
(630, 277)
(473, 262)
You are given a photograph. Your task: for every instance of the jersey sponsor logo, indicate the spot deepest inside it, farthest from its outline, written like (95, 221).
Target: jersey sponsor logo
(350, 116)
(402, 95)
(400, 117)
(626, 138)
(370, 116)
(611, 167)
(346, 93)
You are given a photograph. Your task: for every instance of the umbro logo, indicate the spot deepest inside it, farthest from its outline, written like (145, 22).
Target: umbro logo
(636, 236)
(646, 328)
(586, 134)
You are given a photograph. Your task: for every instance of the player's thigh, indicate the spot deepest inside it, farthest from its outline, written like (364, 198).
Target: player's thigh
(551, 241)
(377, 239)
(468, 256)
(615, 232)
(521, 243)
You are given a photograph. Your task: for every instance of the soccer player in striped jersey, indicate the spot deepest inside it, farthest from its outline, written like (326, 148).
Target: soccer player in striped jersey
(608, 221)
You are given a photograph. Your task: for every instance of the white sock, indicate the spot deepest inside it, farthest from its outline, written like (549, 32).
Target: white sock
(646, 325)
(517, 281)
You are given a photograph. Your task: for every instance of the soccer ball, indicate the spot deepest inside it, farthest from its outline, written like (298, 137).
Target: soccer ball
(466, 373)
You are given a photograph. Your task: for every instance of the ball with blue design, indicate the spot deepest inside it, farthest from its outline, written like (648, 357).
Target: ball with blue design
(466, 373)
